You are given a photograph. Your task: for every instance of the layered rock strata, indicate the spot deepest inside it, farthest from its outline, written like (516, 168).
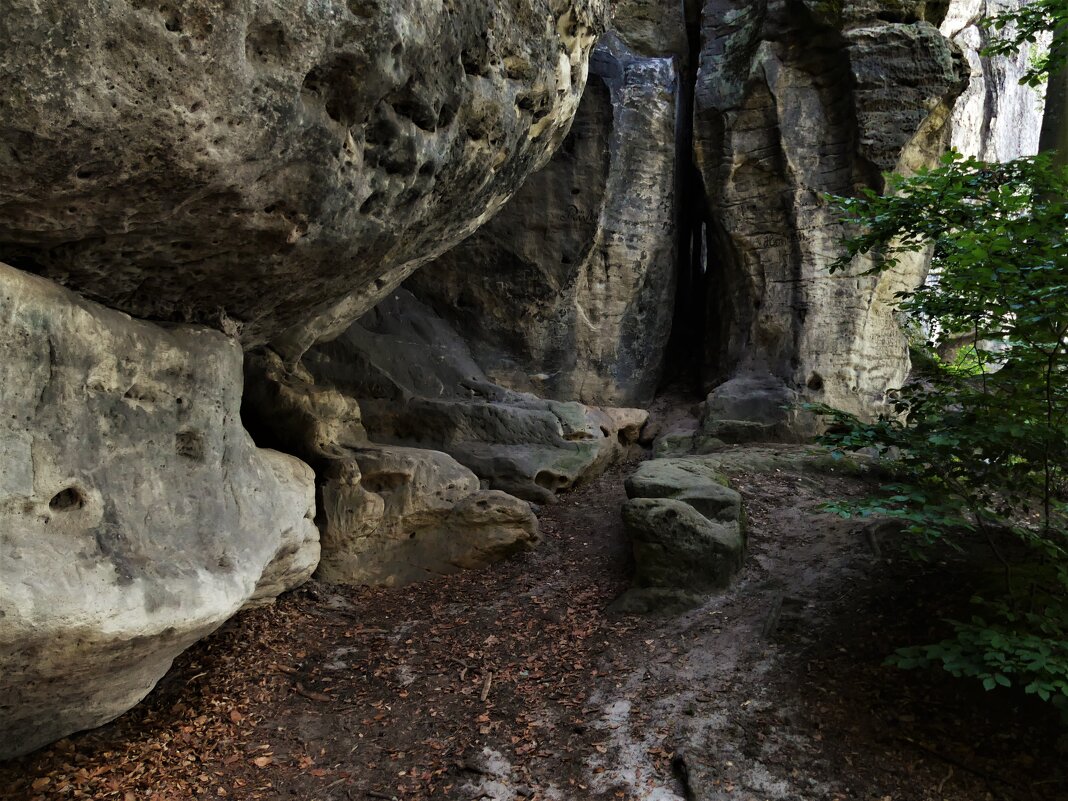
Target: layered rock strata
(568, 293)
(418, 385)
(388, 515)
(136, 514)
(243, 164)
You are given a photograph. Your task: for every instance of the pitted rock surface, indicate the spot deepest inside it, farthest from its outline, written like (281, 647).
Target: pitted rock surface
(136, 514)
(245, 163)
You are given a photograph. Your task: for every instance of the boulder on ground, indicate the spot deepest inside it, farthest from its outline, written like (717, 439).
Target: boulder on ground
(136, 514)
(388, 515)
(418, 386)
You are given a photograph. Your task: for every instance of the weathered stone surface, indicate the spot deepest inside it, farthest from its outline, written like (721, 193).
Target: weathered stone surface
(652, 27)
(569, 292)
(417, 385)
(996, 119)
(136, 515)
(414, 514)
(388, 515)
(241, 163)
(686, 528)
(680, 555)
(791, 105)
(691, 480)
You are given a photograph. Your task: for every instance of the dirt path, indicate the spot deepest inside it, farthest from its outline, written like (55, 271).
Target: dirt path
(515, 683)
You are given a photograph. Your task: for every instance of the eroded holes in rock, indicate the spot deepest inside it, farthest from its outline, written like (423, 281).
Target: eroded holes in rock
(406, 103)
(67, 500)
(473, 65)
(447, 114)
(550, 480)
(172, 20)
(266, 43)
(815, 382)
(373, 204)
(605, 432)
(334, 84)
(384, 482)
(190, 445)
(362, 8)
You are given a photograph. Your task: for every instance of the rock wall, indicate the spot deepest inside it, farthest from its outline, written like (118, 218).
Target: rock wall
(996, 119)
(136, 515)
(795, 100)
(418, 386)
(243, 163)
(569, 291)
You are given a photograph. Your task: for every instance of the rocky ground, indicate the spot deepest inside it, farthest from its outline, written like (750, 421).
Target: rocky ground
(515, 683)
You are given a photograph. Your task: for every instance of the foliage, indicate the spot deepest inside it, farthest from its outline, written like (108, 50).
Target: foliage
(978, 441)
(1024, 26)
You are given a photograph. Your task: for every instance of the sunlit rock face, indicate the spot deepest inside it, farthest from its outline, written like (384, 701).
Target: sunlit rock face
(997, 118)
(795, 101)
(136, 514)
(569, 291)
(245, 163)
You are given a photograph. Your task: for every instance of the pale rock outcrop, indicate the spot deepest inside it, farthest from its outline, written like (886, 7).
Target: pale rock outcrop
(136, 514)
(795, 100)
(996, 119)
(418, 385)
(242, 163)
(687, 531)
(388, 515)
(568, 292)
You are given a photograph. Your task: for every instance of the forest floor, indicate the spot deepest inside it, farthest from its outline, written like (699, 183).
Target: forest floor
(515, 682)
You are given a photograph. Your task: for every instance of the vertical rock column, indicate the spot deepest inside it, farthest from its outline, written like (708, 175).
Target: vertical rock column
(568, 291)
(795, 101)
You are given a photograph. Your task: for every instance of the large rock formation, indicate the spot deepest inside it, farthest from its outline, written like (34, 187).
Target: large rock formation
(136, 515)
(417, 385)
(795, 100)
(997, 118)
(242, 163)
(388, 515)
(569, 291)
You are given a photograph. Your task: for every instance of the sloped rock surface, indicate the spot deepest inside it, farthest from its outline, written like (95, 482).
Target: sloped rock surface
(418, 385)
(687, 532)
(136, 514)
(568, 293)
(243, 163)
(388, 515)
(794, 101)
